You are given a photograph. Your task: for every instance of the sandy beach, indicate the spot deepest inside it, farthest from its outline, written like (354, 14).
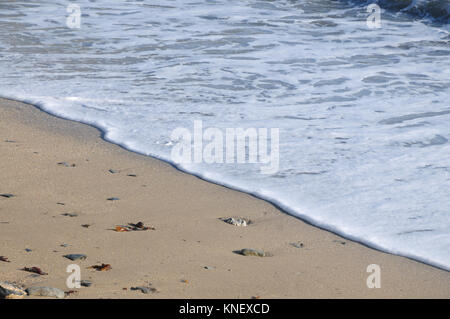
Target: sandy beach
(63, 177)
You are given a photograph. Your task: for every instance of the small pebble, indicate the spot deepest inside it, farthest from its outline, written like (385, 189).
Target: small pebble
(70, 214)
(297, 245)
(11, 291)
(66, 164)
(5, 259)
(144, 290)
(236, 221)
(86, 283)
(75, 256)
(252, 252)
(46, 292)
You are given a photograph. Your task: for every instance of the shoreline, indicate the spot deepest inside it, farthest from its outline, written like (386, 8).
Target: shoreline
(277, 204)
(335, 267)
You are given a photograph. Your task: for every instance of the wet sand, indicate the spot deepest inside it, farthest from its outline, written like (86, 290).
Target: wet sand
(189, 254)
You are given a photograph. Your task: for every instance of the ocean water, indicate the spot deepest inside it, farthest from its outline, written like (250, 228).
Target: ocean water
(363, 113)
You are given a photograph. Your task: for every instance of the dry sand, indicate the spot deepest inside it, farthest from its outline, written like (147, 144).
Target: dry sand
(184, 210)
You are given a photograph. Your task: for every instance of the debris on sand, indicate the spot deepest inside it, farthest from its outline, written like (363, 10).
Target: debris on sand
(145, 290)
(121, 229)
(102, 267)
(5, 259)
(11, 291)
(75, 256)
(70, 214)
(7, 195)
(35, 270)
(86, 283)
(297, 244)
(133, 227)
(236, 221)
(46, 292)
(65, 164)
(140, 226)
(113, 198)
(252, 252)
(70, 292)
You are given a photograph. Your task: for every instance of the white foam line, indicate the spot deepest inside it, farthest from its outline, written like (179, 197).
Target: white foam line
(279, 204)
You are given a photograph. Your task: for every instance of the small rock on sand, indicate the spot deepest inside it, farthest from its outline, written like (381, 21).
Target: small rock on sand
(70, 214)
(252, 252)
(297, 245)
(7, 195)
(86, 283)
(46, 292)
(65, 164)
(11, 291)
(144, 290)
(5, 259)
(236, 221)
(76, 256)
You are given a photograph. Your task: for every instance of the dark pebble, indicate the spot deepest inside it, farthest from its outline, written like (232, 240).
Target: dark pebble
(75, 256)
(66, 164)
(70, 214)
(297, 245)
(144, 290)
(86, 283)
